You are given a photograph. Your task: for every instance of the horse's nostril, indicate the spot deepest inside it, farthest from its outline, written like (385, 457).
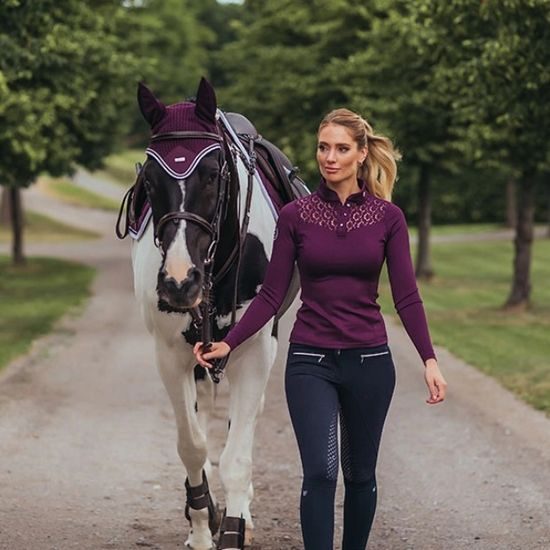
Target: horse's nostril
(194, 274)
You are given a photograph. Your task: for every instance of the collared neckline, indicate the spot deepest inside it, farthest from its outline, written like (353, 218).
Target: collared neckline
(328, 195)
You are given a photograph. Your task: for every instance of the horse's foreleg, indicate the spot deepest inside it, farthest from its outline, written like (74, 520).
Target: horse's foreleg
(248, 376)
(178, 379)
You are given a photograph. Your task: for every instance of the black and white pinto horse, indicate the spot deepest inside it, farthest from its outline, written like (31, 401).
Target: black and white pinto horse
(205, 254)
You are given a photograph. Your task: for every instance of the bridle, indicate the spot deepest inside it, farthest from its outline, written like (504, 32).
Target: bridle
(203, 314)
(211, 227)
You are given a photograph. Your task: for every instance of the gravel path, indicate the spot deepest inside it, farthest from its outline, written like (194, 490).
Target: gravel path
(88, 456)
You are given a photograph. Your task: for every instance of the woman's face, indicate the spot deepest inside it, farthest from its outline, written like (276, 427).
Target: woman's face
(338, 154)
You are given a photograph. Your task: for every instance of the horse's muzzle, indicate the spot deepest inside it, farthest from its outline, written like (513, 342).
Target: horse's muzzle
(180, 295)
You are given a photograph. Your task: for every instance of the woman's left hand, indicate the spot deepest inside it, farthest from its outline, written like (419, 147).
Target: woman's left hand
(435, 382)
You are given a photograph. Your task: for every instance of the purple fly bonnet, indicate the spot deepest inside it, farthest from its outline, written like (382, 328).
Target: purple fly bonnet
(180, 156)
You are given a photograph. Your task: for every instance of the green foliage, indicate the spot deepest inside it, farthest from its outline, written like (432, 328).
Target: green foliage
(496, 67)
(34, 297)
(281, 64)
(218, 18)
(64, 75)
(390, 79)
(172, 44)
(463, 304)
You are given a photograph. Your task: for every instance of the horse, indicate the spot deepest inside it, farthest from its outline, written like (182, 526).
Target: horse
(196, 268)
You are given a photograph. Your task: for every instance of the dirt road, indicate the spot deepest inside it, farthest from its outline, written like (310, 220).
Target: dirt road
(88, 457)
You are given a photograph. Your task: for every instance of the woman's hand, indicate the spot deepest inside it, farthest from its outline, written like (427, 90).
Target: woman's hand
(216, 350)
(435, 382)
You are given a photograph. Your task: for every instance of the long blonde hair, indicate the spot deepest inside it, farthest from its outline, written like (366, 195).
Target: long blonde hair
(379, 170)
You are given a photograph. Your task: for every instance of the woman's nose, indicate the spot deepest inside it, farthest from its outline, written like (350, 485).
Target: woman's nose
(331, 155)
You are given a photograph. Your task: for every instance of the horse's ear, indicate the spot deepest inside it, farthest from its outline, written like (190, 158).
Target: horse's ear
(151, 108)
(206, 105)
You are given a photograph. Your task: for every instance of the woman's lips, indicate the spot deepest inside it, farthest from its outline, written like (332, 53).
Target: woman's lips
(330, 170)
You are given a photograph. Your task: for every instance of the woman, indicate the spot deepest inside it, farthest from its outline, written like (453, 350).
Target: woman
(339, 366)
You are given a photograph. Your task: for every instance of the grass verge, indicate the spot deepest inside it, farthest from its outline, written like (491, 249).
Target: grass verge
(40, 228)
(120, 167)
(34, 297)
(68, 192)
(462, 229)
(463, 304)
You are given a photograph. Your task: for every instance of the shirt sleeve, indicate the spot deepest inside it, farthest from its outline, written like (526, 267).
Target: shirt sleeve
(276, 281)
(406, 297)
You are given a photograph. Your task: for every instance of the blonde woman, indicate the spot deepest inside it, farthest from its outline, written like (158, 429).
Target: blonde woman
(339, 366)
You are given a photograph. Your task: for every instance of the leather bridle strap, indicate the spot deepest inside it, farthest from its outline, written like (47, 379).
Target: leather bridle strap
(187, 216)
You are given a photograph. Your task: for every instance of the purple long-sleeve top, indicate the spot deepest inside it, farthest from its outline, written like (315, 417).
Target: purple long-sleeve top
(339, 250)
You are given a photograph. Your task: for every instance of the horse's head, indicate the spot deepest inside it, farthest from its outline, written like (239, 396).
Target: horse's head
(185, 177)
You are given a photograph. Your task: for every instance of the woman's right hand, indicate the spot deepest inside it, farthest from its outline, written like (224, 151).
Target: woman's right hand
(216, 350)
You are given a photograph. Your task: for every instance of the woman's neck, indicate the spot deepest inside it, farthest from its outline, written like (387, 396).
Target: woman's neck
(344, 188)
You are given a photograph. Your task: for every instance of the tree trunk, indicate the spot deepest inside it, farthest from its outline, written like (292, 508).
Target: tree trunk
(521, 285)
(5, 216)
(16, 210)
(511, 204)
(423, 256)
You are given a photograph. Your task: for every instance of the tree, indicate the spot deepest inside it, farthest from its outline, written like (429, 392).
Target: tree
(171, 43)
(503, 99)
(391, 80)
(281, 63)
(64, 77)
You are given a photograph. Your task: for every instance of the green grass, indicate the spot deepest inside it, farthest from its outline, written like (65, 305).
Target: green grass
(120, 167)
(40, 228)
(34, 297)
(463, 304)
(70, 193)
(466, 228)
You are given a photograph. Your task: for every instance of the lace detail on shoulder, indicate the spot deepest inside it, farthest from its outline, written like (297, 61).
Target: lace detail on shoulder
(312, 209)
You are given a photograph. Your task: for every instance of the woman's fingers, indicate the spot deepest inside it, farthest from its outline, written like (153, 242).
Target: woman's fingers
(434, 393)
(199, 355)
(437, 387)
(216, 350)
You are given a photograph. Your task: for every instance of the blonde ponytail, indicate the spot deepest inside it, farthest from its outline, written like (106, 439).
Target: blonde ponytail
(379, 170)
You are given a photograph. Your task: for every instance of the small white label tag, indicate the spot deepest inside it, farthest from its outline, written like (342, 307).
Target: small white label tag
(179, 159)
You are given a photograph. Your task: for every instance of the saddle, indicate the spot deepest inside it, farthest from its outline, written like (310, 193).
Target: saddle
(279, 176)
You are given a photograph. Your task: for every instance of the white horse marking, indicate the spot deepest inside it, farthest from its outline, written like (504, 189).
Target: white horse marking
(178, 261)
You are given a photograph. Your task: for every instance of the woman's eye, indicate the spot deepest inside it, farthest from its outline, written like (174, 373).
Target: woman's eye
(344, 149)
(321, 147)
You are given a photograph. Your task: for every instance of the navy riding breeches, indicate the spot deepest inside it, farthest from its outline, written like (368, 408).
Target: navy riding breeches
(352, 388)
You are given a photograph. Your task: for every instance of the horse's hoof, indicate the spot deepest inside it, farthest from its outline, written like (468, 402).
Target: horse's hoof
(189, 546)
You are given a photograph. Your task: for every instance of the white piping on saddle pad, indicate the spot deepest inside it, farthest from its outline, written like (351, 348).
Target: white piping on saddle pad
(143, 225)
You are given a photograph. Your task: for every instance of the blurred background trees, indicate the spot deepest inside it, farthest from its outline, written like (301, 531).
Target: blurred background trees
(462, 87)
